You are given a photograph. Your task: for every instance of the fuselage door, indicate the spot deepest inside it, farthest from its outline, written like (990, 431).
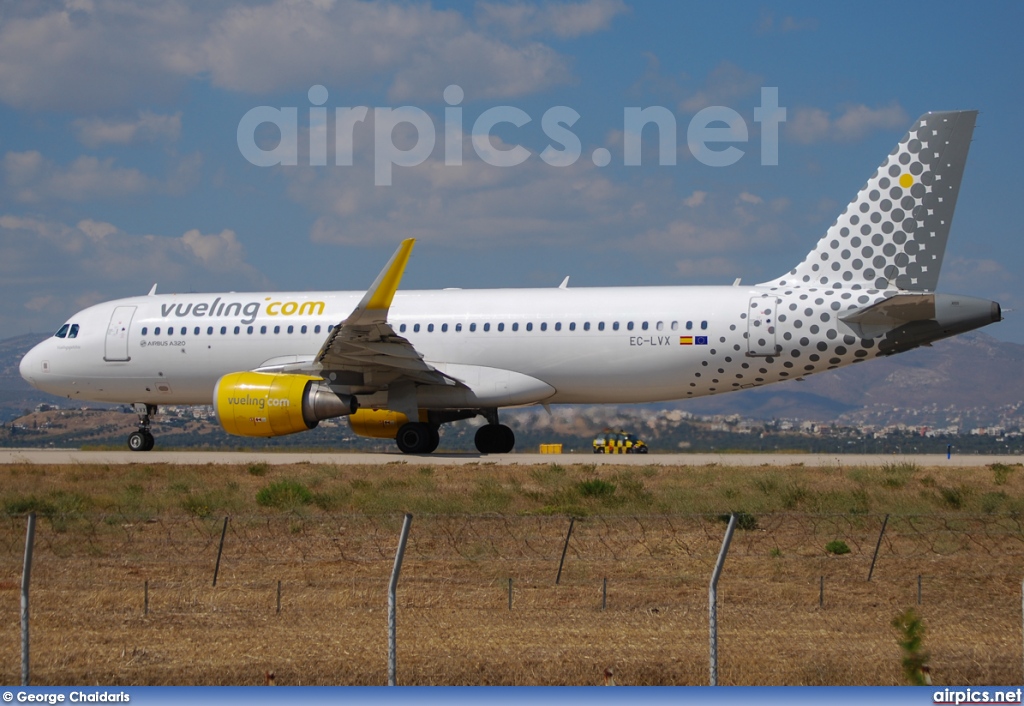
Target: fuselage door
(116, 346)
(761, 326)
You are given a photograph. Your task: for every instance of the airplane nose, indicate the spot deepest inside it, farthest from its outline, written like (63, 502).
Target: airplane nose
(29, 366)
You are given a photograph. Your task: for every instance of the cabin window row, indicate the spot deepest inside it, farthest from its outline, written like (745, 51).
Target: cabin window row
(198, 330)
(557, 326)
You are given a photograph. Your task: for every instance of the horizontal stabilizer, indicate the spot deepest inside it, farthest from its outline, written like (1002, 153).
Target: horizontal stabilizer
(890, 313)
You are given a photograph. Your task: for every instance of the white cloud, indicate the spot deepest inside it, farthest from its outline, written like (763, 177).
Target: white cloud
(114, 53)
(55, 268)
(32, 178)
(767, 24)
(747, 197)
(695, 199)
(724, 85)
(147, 127)
(564, 20)
(810, 125)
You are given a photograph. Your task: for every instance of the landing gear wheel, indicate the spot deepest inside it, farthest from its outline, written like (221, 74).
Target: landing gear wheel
(417, 438)
(150, 441)
(494, 439)
(137, 441)
(435, 440)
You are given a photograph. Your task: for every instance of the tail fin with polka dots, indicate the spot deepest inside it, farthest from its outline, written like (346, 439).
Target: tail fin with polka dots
(893, 235)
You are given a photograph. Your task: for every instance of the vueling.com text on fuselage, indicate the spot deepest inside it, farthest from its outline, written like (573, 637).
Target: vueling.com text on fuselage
(247, 312)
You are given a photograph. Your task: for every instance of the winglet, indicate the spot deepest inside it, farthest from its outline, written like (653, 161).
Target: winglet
(152, 291)
(373, 308)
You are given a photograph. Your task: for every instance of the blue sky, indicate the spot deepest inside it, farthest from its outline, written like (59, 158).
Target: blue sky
(121, 163)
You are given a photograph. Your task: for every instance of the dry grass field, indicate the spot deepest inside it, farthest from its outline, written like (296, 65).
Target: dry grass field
(328, 534)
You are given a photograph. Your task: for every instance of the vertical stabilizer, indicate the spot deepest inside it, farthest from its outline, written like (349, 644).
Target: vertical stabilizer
(893, 235)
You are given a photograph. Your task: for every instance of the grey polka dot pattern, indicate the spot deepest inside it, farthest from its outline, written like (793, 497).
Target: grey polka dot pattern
(889, 240)
(893, 235)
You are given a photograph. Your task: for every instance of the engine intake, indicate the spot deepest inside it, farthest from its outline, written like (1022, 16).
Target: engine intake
(275, 404)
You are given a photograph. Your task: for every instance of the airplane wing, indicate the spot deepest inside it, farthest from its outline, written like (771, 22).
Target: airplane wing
(363, 352)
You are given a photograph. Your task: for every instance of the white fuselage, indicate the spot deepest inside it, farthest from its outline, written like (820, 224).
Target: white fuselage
(590, 345)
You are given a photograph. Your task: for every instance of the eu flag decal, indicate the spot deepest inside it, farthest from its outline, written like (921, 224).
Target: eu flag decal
(700, 340)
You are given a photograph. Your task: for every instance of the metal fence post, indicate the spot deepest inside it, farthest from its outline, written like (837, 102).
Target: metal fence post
(713, 599)
(392, 586)
(558, 578)
(220, 550)
(26, 578)
(877, 546)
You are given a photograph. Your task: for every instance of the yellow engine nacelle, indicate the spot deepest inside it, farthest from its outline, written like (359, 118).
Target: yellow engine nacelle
(274, 404)
(379, 423)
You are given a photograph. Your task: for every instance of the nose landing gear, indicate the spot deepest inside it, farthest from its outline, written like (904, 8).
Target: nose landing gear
(142, 440)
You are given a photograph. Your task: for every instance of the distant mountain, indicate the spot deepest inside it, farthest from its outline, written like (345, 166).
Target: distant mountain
(970, 377)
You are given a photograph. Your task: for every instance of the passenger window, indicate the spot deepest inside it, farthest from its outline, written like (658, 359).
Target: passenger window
(675, 325)
(209, 330)
(643, 326)
(458, 328)
(401, 329)
(558, 325)
(223, 330)
(238, 330)
(689, 325)
(430, 328)
(62, 331)
(615, 325)
(144, 330)
(156, 331)
(515, 326)
(703, 325)
(629, 326)
(572, 326)
(586, 326)
(501, 327)
(291, 329)
(196, 331)
(472, 327)
(660, 325)
(170, 330)
(444, 328)
(277, 329)
(249, 330)
(303, 329)
(316, 329)
(529, 326)
(416, 328)
(543, 325)
(330, 328)
(600, 326)
(73, 333)
(263, 329)
(487, 327)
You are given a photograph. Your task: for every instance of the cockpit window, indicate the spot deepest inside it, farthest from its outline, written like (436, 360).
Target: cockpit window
(62, 331)
(73, 333)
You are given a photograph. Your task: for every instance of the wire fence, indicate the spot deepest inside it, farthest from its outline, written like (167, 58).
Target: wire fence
(102, 573)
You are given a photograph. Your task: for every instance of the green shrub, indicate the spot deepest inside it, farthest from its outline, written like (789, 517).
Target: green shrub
(911, 630)
(1002, 471)
(744, 520)
(284, 495)
(595, 488)
(837, 547)
(258, 469)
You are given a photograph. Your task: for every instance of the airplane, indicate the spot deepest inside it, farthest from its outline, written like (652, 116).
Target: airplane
(399, 364)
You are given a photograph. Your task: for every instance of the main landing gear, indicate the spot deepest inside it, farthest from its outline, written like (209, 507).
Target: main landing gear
(142, 440)
(423, 437)
(418, 438)
(494, 439)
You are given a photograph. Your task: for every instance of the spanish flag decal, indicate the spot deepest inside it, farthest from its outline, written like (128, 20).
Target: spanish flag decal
(686, 340)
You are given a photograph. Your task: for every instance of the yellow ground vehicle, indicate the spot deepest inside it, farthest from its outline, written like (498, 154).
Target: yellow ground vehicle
(612, 441)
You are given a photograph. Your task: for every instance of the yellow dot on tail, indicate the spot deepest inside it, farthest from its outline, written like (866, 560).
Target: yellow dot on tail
(906, 181)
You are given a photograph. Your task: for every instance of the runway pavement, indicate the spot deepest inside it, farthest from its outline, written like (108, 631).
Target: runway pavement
(72, 456)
